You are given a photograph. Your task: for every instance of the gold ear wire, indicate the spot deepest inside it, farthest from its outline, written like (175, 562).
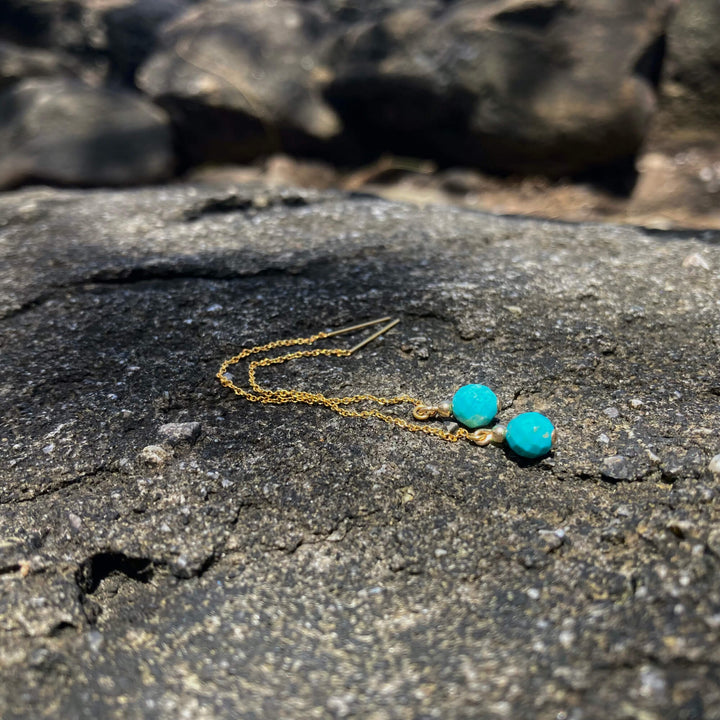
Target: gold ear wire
(362, 326)
(377, 334)
(353, 328)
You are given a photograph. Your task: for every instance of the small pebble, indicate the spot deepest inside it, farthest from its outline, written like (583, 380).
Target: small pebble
(95, 641)
(154, 455)
(617, 467)
(176, 433)
(714, 466)
(611, 412)
(713, 542)
(695, 260)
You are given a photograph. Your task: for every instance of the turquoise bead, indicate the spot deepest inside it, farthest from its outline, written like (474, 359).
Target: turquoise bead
(474, 405)
(530, 435)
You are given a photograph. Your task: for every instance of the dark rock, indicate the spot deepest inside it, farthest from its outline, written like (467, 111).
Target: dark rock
(31, 22)
(691, 94)
(552, 87)
(71, 28)
(131, 32)
(64, 132)
(522, 86)
(104, 39)
(18, 63)
(619, 467)
(297, 563)
(179, 433)
(239, 78)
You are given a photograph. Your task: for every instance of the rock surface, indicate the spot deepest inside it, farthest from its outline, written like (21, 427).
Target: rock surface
(295, 563)
(131, 31)
(690, 89)
(518, 86)
(550, 87)
(236, 77)
(64, 132)
(19, 63)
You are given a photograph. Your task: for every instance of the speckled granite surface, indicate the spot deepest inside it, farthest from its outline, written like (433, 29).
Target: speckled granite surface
(287, 562)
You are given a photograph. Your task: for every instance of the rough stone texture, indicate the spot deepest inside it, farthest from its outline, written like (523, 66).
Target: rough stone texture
(131, 30)
(520, 86)
(69, 28)
(67, 133)
(236, 77)
(551, 87)
(530, 86)
(691, 95)
(18, 63)
(295, 563)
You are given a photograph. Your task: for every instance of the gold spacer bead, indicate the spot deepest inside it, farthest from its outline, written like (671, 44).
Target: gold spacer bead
(444, 409)
(498, 433)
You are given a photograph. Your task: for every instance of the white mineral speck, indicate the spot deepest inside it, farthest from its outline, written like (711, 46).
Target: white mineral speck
(695, 260)
(154, 455)
(714, 466)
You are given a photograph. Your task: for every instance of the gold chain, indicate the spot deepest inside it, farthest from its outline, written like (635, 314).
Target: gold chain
(257, 393)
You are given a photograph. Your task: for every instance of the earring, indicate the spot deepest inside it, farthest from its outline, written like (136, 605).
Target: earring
(530, 435)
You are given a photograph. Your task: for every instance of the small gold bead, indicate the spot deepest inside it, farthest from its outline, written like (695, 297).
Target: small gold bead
(553, 438)
(444, 409)
(498, 433)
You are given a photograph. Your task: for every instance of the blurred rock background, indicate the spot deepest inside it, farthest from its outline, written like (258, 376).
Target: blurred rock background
(568, 109)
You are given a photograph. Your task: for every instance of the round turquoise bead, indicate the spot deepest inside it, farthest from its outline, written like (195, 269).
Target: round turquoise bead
(530, 435)
(474, 405)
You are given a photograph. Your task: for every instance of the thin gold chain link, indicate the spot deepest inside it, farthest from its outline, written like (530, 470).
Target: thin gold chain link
(257, 393)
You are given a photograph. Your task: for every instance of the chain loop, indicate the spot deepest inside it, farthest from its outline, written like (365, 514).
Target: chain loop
(257, 393)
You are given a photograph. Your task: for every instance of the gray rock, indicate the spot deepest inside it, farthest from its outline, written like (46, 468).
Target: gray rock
(691, 96)
(154, 455)
(177, 433)
(18, 63)
(518, 86)
(714, 465)
(62, 131)
(69, 29)
(530, 86)
(238, 76)
(617, 467)
(132, 29)
(293, 557)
